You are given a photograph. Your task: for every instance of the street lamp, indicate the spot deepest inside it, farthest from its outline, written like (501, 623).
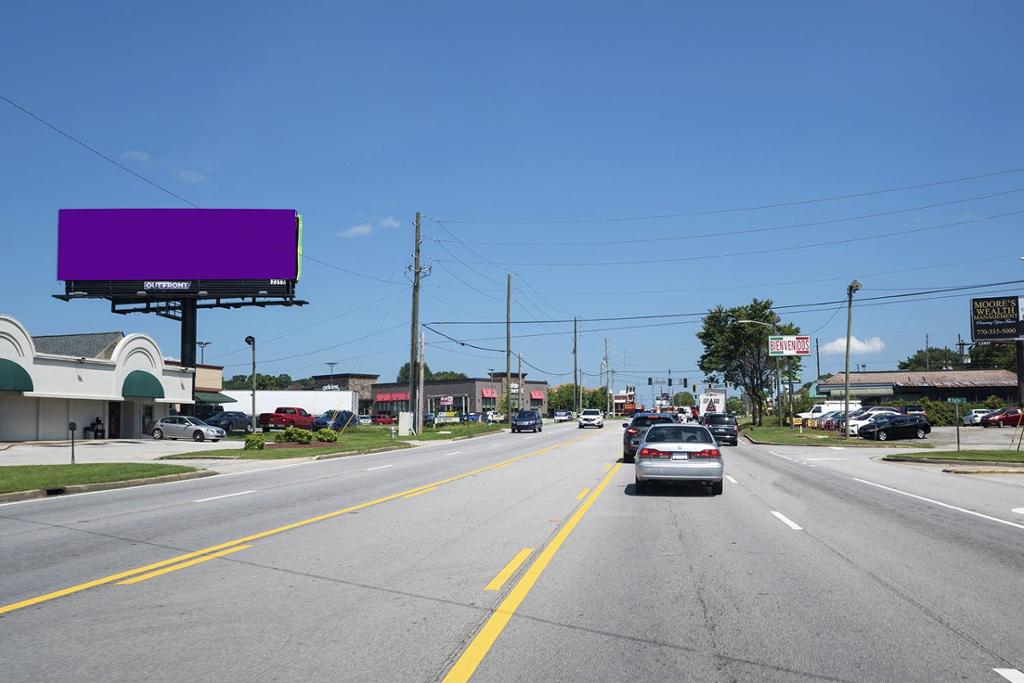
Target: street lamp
(202, 350)
(774, 327)
(331, 366)
(251, 341)
(490, 375)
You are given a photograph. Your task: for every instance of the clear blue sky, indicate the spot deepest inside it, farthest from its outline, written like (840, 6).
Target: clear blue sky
(360, 114)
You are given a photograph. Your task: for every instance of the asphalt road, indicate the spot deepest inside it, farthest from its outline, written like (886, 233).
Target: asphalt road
(816, 564)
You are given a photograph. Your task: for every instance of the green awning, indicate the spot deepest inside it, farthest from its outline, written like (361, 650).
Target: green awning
(213, 397)
(141, 384)
(13, 377)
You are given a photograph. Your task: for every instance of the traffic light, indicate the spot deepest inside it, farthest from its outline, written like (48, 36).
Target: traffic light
(650, 381)
(670, 381)
(685, 380)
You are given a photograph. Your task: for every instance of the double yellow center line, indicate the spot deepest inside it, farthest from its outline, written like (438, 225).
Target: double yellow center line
(186, 560)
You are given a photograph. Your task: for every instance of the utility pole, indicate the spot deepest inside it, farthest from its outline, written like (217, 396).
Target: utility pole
(575, 372)
(417, 420)
(508, 350)
(251, 341)
(611, 397)
(519, 394)
(850, 289)
(817, 356)
(415, 327)
(927, 354)
(607, 393)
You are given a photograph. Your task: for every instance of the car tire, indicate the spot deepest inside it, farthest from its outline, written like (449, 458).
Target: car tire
(999, 424)
(627, 458)
(158, 434)
(214, 440)
(920, 433)
(248, 428)
(266, 430)
(881, 435)
(197, 436)
(579, 426)
(639, 487)
(716, 488)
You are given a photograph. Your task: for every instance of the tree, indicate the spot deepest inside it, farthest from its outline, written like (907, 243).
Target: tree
(734, 405)
(932, 358)
(738, 352)
(263, 382)
(595, 398)
(403, 374)
(991, 356)
(448, 374)
(560, 397)
(684, 399)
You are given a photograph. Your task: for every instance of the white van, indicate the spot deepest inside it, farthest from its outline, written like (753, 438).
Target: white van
(820, 409)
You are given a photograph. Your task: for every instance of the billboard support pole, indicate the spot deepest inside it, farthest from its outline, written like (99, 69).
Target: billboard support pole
(188, 347)
(1020, 372)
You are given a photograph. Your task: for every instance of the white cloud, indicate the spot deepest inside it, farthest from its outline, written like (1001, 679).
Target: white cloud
(355, 231)
(135, 155)
(190, 177)
(388, 222)
(872, 345)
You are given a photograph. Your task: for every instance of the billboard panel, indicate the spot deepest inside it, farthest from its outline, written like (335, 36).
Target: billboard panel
(168, 252)
(997, 318)
(789, 345)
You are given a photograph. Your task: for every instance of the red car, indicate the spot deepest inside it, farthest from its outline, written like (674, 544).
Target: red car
(383, 419)
(1004, 417)
(284, 417)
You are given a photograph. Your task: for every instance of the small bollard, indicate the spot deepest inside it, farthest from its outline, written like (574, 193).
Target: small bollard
(71, 428)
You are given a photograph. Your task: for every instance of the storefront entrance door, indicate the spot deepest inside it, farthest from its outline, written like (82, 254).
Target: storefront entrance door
(114, 421)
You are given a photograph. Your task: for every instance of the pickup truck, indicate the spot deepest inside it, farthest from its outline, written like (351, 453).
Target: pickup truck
(286, 416)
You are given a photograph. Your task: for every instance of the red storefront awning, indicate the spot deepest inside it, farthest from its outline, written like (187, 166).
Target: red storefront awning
(383, 397)
(539, 395)
(489, 393)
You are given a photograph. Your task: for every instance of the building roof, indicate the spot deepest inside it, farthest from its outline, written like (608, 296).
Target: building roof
(92, 345)
(927, 378)
(347, 375)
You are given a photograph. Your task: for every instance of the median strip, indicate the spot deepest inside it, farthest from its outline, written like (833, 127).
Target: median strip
(508, 570)
(419, 493)
(5, 609)
(467, 664)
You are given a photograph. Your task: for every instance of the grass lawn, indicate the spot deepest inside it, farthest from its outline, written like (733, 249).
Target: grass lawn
(969, 456)
(450, 431)
(811, 437)
(32, 477)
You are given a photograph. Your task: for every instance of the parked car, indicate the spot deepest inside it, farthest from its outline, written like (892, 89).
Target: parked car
(591, 417)
(230, 421)
(336, 420)
(428, 420)
(723, 427)
(562, 416)
(677, 452)
(365, 420)
(185, 427)
(894, 426)
(864, 418)
(284, 417)
(527, 419)
(913, 410)
(470, 417)
(974, 417)
(1004, 417)
(828, 420)
(384, 419)
(635, 430)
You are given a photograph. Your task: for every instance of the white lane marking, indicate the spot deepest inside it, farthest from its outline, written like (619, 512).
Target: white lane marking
(941, 504)
(453, 453)
(379, 467)
(816, 459)
(838, 448)
(780, 455)
(731, 480)
(1012, 675)
(226, 495)
(1019, 511)
(787, 521)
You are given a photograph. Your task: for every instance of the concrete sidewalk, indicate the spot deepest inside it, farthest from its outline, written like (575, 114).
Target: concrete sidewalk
(124, 450)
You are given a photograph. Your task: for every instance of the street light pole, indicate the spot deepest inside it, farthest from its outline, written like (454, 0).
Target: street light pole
(850, 289)
(331, 366)
(251, 341)
(202, 350)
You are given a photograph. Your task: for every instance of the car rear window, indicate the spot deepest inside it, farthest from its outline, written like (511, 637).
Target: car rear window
(720, 420)
(648, 420)
(591, 411)
(679, 434)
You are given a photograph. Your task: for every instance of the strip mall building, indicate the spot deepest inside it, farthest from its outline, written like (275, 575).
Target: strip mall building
(120, 381)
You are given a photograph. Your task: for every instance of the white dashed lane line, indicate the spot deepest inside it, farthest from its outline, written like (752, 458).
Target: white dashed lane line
(1012, 675)
(787, 521)
(378, 467)
(226, 495)
(731, 480)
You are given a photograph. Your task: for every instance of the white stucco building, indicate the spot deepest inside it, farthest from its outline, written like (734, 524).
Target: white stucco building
(47, 382)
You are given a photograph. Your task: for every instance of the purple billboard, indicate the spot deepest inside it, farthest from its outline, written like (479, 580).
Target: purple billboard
(178, 244)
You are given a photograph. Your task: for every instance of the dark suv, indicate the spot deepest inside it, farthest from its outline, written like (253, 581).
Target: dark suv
(231, 421)
(527, 419)
(722, 427)
(636, 429)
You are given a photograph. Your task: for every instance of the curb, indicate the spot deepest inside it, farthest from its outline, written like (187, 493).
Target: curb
(331, 456)
(981, 470)
(947, 461)
(103, 486)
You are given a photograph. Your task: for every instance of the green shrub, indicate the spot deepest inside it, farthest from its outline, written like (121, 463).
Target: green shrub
(327, 436)
(255, 442)
(296, 435)
(994, 402)
(280, 437)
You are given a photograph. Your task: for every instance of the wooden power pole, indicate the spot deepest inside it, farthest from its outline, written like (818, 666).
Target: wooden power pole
(508, 350)
(414, 330)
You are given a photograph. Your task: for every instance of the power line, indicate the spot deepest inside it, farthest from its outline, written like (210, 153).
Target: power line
(307, 257)
(95, 151)
(326, 348)
(739, 209)
(747, 231)
(796, 247)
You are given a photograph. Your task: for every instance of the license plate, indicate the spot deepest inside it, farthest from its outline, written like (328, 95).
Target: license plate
(680, 456)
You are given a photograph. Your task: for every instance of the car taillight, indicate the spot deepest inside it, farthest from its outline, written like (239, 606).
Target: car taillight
(653, 453)
(707, 453)
(632, 430)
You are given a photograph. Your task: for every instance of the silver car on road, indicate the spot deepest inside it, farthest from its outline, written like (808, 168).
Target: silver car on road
(184, 427)
(679, 452)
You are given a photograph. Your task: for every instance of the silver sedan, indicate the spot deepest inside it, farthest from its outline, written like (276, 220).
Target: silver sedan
(678, 452)
(184, 427)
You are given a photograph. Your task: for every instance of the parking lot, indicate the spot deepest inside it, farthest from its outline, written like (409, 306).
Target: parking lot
(977, 438)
